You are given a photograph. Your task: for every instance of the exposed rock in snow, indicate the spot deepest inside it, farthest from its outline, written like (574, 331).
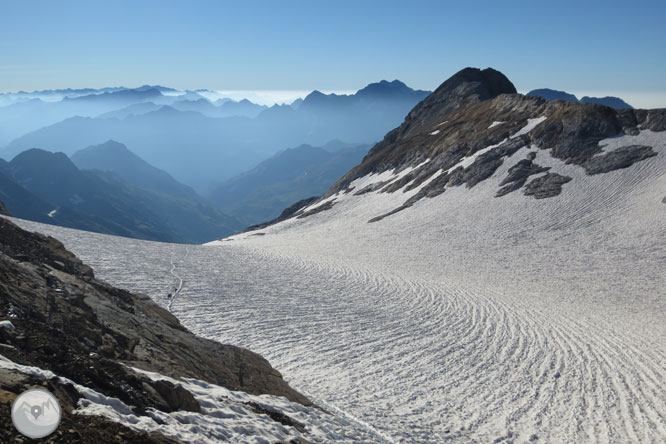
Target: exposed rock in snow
(548, 185)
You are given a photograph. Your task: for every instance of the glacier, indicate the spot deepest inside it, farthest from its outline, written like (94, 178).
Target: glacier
(464, 318)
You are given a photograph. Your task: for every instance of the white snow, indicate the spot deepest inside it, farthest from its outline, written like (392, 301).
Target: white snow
(494, 124)
(465, 318)
(7, 324)
(434, 133)
(225, 417)
(468, 160)
(531, 124)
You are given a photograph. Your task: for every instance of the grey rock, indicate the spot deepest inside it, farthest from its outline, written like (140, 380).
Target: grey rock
(176, 397)
(549, 185)
(619, 158)
(518, 175)
(276, 416)
(327, 206)
(487, 163)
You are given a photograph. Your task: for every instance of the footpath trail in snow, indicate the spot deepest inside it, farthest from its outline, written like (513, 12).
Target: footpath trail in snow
(172, 296)
(466, 318)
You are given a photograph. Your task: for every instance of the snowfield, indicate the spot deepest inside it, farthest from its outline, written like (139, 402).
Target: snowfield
(465, 318)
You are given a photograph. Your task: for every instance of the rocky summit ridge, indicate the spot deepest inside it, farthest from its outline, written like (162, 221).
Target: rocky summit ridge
(462, 133)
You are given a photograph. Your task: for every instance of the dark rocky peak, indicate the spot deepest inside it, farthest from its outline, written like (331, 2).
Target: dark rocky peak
(487, 83)
(467, 86)
(479, 110)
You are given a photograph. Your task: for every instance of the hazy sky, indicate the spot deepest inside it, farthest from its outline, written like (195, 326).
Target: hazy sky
(580, 46)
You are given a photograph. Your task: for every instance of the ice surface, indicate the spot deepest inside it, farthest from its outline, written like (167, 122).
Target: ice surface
(494, 124)
(531, 124)
(465, 318)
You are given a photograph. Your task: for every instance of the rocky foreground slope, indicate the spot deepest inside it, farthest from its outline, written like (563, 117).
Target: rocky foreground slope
(59, 318)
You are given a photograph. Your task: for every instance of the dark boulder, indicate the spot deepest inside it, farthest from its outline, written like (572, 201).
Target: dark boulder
(549, 185)
(622, 157)
(518, 175)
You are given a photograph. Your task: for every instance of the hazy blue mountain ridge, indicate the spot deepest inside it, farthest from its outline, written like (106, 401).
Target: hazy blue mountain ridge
(261, 193)
(48, 187)
(553, 94)
(198, 150)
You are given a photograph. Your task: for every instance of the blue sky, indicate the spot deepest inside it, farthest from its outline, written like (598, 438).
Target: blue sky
(582, 47)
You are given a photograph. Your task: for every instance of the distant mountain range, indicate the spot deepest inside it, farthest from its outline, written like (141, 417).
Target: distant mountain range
(23, 112)
(114, 157)
(553, 94)
(198, 149)
(123, 195)
(261, 193)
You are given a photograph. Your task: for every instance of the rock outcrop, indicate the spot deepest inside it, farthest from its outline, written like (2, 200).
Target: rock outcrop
(83, 329)
(465, 130)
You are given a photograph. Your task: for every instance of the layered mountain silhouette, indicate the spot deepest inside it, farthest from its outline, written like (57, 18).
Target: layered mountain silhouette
(199, 150)
(24, 112)
(226, 108)
(48, 187)
(262, 193)
(553, 94)
(114, 157)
